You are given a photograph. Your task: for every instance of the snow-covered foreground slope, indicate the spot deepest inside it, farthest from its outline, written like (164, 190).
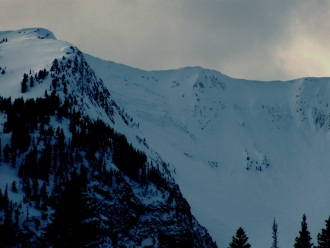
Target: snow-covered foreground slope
(244, 152)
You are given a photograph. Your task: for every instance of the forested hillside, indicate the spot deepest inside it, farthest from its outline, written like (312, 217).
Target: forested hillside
(68, 179)
(81, 177)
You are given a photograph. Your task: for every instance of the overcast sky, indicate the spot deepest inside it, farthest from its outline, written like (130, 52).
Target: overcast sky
(263, 40)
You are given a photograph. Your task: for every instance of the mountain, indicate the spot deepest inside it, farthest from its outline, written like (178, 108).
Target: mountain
(244, 152)
(69, 176)
(231, 152)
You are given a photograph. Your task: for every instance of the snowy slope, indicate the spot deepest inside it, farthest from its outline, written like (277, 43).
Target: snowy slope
(244, 152)
(19, 56)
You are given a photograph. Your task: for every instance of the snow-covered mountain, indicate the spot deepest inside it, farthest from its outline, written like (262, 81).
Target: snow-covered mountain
(242, 152)
(68, 174)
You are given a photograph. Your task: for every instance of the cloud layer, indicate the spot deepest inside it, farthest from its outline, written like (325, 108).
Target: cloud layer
(264, 40)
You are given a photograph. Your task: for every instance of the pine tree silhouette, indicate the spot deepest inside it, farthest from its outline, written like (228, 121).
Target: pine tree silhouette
(323, 238)
(240, 241)
(304, 239)
(275, 235)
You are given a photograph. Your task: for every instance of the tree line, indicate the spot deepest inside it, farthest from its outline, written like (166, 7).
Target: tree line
(303, 240)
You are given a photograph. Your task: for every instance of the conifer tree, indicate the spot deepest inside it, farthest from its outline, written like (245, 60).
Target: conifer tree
(240, 241)
(5, 199)
(275, 235)
(304, 239)
(24, 83)
(31, 81)
(14, 187)
(323, 238)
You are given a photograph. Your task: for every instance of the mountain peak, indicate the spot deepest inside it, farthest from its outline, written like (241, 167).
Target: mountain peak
(34, 48)
(40, 33)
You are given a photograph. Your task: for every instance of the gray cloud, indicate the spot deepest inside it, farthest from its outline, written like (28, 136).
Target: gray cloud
(263, 40)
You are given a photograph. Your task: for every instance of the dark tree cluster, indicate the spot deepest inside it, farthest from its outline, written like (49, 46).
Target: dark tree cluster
(155, 177)
(4, 40)
(10, 233)
(23, 118)
(30, 81)
(124, 156)
(92, 138)
(75, 221)
(46, 150)
(42, 74)
(58, 67)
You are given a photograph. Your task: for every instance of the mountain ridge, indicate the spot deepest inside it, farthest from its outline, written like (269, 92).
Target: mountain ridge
(241, 151)
(225, 127)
